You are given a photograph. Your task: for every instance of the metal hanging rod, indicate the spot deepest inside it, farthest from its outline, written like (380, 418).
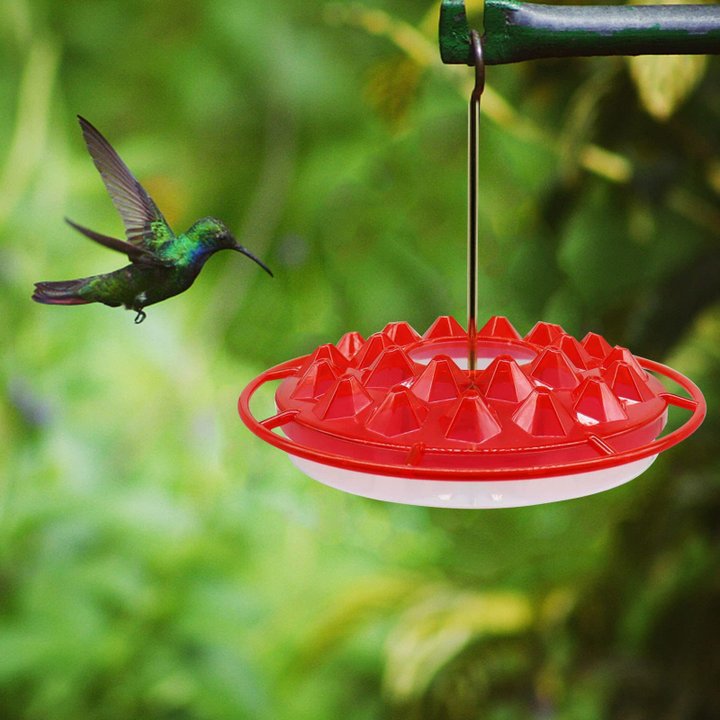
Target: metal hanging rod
(515, 31)
(473, 198)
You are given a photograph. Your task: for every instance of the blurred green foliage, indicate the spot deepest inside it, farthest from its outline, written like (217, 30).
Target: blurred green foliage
(158, 562)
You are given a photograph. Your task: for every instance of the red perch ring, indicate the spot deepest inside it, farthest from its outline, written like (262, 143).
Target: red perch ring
(398, 417)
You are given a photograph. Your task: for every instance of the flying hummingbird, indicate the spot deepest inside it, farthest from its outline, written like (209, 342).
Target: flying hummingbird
(162, 264)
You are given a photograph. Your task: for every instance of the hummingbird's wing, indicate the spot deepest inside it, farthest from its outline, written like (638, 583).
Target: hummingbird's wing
(135, 253)
(145, 226)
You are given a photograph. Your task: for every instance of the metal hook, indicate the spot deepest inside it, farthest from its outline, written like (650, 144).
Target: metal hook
(473, 165)
(478, 61)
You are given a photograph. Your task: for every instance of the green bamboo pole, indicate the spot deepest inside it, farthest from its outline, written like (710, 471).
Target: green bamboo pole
(515, 31)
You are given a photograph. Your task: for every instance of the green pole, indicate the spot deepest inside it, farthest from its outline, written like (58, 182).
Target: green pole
(515, 31)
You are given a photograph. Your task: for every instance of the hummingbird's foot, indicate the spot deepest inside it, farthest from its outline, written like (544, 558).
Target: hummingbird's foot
(140, 317)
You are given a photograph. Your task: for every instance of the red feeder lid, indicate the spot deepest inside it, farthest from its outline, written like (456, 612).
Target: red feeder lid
(398, 417)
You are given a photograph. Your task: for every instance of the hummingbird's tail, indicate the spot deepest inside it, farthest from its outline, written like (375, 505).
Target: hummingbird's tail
(64, 292)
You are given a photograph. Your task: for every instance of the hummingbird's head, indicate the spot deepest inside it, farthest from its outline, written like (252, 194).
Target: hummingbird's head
(216, 236)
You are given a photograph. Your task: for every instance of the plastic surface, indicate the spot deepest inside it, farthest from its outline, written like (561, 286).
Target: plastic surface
(472, 495)
(545, 417)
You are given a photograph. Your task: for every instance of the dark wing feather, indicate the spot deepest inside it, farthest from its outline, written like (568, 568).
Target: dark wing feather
(135, 253)
(145, 225)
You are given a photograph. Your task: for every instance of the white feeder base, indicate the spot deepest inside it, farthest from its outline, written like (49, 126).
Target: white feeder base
(471, 494)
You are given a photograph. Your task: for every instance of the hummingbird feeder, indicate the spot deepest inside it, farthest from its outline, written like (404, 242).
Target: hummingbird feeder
(485, 417)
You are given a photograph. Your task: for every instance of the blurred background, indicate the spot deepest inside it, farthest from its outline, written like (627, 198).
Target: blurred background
(158, 561)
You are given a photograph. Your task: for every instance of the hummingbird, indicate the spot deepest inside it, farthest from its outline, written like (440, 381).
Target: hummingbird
(162, 264)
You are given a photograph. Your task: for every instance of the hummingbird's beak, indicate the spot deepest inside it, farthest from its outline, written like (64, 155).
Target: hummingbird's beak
(247, 253)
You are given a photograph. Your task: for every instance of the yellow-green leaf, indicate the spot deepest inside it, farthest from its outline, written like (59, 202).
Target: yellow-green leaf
(433, 631)
(664, 82)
